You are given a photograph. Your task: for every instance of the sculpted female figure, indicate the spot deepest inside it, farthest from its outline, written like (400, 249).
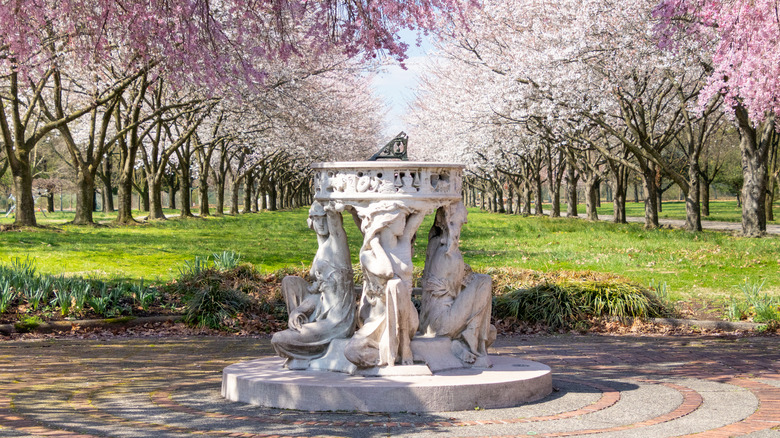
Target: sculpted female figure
(456, 302)
(387, 319)
(325, 309)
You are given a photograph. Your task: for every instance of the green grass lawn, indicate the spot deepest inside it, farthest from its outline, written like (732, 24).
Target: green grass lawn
(708, 264)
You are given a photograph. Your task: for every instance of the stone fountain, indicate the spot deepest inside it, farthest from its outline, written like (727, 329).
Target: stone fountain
(375, 352)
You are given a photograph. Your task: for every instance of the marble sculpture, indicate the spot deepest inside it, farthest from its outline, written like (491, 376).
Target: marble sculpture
(325, 309)
(388, 200)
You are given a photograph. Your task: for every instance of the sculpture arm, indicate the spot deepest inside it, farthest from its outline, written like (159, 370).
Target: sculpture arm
(413, 222)
(335, 220)
(300, 314)
(375, 260)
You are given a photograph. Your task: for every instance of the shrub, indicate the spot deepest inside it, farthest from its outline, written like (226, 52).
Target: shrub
(564, 304)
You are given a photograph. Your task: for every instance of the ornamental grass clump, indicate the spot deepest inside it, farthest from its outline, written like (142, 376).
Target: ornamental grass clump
(7, 295)
(211, 305)
(226, 260)
(224, 294)
(755, 306)
(565, 304)
(23, 290)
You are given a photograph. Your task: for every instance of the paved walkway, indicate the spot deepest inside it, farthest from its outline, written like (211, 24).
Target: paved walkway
(707, 225)
(680, 223)
(606, 386)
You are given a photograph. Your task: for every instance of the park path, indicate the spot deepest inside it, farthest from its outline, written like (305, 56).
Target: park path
(605, 386)
(680, 223)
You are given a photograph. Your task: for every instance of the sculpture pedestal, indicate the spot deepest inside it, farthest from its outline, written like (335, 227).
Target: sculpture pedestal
(265, 382)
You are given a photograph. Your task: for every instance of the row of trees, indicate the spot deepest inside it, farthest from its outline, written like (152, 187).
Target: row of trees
(153, 137)
(207, 88)
(599, 91)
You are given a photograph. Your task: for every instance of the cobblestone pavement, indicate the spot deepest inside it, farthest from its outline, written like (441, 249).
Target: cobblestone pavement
(611, 386)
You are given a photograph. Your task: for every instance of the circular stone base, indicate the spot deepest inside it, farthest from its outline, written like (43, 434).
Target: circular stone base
(265, 382)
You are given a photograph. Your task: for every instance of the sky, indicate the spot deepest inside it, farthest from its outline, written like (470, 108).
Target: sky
(396, 85)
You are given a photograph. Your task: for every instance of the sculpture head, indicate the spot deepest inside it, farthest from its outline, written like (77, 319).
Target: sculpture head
(386, 215)
(455, 215)
(317, 220)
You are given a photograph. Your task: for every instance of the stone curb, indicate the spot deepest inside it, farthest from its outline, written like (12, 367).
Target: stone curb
(728, 326)
(51, 326)
(7, 329)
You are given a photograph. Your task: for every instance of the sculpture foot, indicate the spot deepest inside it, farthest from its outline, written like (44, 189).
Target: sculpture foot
(482, 362)
(461, 352)
(362, 352)
(297, 364)
(407, 358)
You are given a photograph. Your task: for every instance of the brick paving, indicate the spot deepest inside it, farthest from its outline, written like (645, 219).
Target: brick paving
(606, 386)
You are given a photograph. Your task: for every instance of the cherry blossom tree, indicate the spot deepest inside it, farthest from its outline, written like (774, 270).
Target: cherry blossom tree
(589, 72)
(742, 38)
(212, 44)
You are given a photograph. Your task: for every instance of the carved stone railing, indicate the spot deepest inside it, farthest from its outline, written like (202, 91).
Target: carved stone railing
(369, 181)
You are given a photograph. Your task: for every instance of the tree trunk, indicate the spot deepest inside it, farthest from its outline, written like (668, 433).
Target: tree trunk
(263, 198)
(571, 190)
(598, 193)
(651, 200)
(692, 207)
(25, 205)
(234, 197)
(271, 198)
(106, 199)
(172, 198)
(145, 201)
(108, 190)
(221, 197)
(753, 191)
(538, 201)
(591, 198)
(125, 199)
(284, 191)
(509, 200)
(186, 192)
(773, 173)
(555, 192)
(619, 194)
(248, 186)
(203, 194)
(50, 202)
(85, 195)
(500, 201)
(154, 194)
(754, 144)
(705, 197)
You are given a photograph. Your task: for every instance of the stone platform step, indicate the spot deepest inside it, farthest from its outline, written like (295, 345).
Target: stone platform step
(265, 382)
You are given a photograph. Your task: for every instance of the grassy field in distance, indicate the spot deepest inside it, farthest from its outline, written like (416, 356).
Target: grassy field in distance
(708, 264)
